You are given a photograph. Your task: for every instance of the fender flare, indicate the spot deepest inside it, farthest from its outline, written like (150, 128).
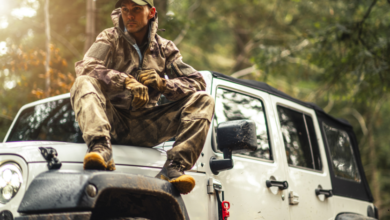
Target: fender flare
(352, 216)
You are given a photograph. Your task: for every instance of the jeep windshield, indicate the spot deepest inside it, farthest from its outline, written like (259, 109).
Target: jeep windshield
(50, 121)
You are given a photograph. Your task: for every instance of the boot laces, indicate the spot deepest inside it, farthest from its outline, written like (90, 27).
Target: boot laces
(176, 165)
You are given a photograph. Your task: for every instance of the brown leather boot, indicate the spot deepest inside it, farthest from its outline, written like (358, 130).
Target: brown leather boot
(99, 155)
(173, 173)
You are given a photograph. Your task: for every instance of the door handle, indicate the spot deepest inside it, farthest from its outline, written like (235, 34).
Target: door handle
(282, 185)
(326, 193)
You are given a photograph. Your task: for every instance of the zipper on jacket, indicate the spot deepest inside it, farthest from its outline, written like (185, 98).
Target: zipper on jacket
(149, 40)
(143, 57)
(141, 61)
(128, 40)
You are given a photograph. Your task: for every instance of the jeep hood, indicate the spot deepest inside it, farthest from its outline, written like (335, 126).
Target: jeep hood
(74, 153)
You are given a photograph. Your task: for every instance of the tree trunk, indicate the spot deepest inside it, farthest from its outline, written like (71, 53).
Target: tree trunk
(375, 182)
(243, 47)
(90, 27)
(162, 8)
(373, 157)
(48, 39)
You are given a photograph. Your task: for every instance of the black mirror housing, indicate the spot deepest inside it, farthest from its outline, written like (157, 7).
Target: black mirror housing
(233, 137)
(238, 136)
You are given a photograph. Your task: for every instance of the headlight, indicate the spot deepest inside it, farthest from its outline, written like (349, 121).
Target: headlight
(10, 181)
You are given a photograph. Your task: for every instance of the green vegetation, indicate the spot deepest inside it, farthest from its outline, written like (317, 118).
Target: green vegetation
(333, 53)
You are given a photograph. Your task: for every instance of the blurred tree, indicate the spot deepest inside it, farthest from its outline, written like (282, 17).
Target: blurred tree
(22, 65)
(162, 7)
(338, 58)
(90, 27)
(48, 41)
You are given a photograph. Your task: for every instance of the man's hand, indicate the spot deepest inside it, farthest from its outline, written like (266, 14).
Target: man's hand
(139, 91)
(152, 79)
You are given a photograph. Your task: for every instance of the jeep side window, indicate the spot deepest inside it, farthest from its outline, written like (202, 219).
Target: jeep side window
(299, 139)
(341, 153)
(51, 121)
(232, 105)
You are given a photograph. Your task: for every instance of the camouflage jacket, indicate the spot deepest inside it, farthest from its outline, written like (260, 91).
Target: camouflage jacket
(113, 57)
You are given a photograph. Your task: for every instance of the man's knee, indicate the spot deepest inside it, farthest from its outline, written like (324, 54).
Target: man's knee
(204, 97)
(205, 100)
(200, 106)
(85, 85)
(85, 80)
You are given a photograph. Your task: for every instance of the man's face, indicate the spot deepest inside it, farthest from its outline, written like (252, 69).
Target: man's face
(136, 17)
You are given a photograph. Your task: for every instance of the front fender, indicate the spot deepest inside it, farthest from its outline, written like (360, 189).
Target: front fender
(100, 194)
(352, 216)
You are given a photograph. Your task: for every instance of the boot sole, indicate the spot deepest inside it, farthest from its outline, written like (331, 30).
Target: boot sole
(111, 165)
(94, 161)
(184, 184)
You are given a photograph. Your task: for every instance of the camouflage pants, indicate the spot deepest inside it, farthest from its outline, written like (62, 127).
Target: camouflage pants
(187, 119)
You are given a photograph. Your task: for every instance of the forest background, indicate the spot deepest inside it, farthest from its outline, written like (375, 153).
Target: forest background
(332, 53)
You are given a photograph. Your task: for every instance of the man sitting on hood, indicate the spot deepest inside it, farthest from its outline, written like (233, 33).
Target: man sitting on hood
(119, 83)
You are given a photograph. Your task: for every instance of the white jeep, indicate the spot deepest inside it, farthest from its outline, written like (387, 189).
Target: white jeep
(267, 154)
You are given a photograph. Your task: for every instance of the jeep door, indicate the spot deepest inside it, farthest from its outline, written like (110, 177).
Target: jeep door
(306, 164)
(245, 185)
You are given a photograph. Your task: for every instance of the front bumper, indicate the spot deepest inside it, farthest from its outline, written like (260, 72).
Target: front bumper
(100, 195)
(58, 216)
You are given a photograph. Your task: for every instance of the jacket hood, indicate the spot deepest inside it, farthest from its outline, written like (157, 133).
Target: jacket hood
(116, 17)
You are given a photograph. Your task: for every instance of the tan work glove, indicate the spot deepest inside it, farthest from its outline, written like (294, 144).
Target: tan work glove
(139, 91)
(152, 79)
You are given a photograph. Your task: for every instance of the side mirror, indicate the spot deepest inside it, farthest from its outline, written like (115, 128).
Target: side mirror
(233, 137)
